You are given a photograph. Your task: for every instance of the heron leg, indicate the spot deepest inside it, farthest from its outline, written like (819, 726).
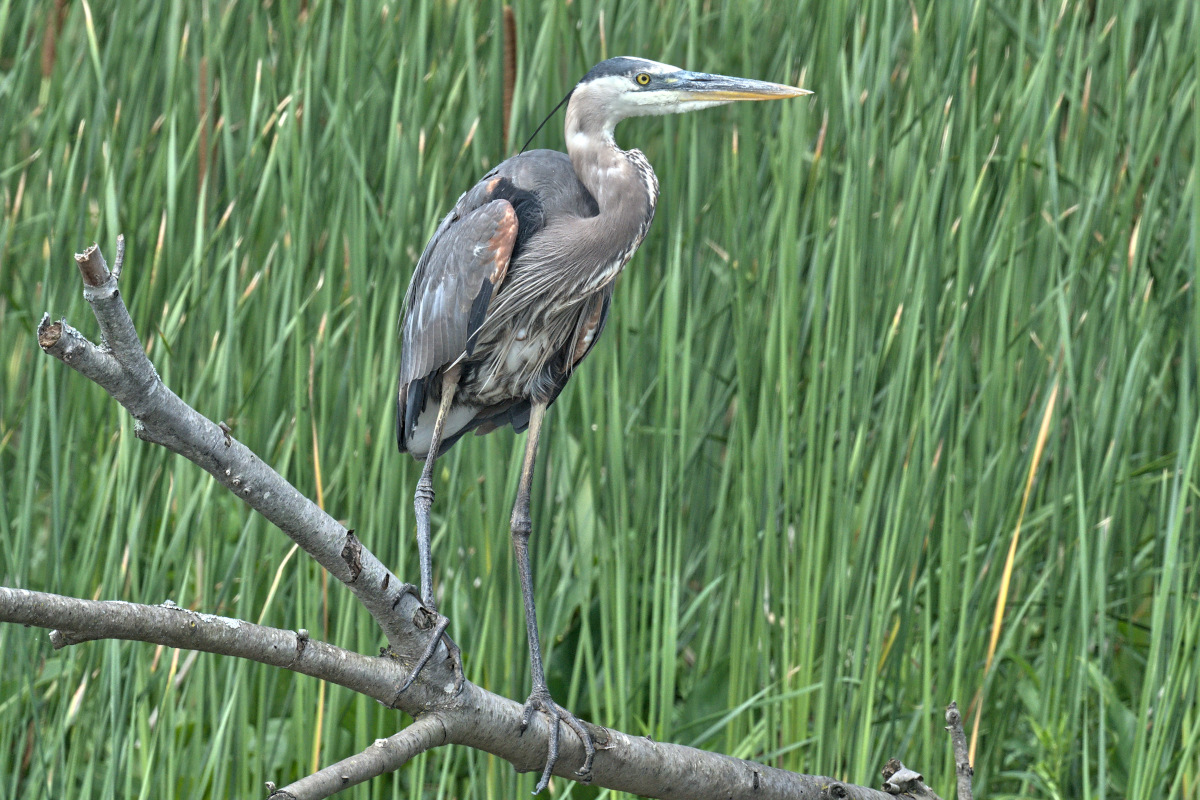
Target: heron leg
(423, 502)
(539, 698)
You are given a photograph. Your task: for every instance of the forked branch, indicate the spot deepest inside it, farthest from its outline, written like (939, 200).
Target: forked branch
(448, 710)
(122, 368)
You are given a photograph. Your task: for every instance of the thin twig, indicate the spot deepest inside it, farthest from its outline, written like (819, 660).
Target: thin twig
(383, 756)
(962, 760)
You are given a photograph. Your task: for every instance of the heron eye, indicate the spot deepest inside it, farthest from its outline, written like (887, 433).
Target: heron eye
(642, 78)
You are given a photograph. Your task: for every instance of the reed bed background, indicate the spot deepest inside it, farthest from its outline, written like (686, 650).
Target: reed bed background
(897, 404)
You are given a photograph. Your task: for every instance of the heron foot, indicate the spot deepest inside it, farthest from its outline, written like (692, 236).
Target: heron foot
(540, 700)
(439, 623)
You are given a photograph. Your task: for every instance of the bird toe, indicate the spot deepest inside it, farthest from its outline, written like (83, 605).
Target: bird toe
(541, 701)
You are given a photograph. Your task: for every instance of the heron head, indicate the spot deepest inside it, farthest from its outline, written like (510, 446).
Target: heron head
(633, 87)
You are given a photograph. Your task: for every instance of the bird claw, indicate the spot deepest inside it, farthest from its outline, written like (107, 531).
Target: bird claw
(452, 650)
(540, 700)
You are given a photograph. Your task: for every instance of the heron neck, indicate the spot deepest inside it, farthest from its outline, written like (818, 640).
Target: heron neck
(615, 177)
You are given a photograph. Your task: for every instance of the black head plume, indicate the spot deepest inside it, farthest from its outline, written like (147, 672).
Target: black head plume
(541, 125)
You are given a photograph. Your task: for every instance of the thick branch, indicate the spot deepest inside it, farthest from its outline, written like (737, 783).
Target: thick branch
(75, 621)
(474, 717)
(626, 763)
(121, 367)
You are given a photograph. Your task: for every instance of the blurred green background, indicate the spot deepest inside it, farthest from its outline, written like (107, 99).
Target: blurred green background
(775, 507)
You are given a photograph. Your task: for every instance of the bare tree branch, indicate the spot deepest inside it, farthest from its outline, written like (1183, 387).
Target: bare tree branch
(121, 367)
(385, 755)
(447, 709)
(474, 717)
(75, 621)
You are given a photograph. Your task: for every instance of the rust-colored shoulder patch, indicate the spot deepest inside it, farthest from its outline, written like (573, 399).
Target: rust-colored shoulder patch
(501, 243)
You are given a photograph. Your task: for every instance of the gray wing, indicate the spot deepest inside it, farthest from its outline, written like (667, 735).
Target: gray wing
(461, 268)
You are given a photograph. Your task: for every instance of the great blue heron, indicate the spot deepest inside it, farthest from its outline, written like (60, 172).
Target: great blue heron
(514, 288)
